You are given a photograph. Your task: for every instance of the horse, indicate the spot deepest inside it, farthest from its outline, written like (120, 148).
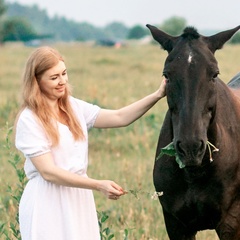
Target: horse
(200, 179)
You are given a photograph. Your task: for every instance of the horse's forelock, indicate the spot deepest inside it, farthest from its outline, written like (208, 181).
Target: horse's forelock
(190, 33)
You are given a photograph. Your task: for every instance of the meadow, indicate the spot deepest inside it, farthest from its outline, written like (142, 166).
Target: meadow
(111, 78)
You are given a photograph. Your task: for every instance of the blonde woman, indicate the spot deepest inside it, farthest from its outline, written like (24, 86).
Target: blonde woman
(52, 133)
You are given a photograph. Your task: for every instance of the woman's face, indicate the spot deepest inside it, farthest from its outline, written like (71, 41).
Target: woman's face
(53, 81)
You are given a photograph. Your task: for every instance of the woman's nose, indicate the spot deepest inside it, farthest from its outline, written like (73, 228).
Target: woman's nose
(62, 81)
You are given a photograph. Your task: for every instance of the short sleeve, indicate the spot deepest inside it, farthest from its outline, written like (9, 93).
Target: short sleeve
(30, 137)
(88, 110)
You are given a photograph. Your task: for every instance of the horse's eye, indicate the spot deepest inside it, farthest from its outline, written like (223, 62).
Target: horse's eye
(215, 76)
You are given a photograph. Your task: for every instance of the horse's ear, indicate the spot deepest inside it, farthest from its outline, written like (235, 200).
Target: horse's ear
(165, 40)
(217, 41)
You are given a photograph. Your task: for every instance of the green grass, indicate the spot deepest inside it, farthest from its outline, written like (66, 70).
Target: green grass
(110, 78)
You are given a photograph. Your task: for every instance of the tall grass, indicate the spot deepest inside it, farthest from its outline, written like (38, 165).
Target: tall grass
(110, 78)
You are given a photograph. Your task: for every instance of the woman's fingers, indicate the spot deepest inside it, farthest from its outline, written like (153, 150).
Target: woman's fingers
(111, 189)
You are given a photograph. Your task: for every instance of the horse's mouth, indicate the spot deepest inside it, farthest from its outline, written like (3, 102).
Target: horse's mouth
(196, 163)
(192, 161)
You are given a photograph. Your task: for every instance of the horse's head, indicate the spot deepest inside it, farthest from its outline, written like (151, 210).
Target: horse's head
(191, 71)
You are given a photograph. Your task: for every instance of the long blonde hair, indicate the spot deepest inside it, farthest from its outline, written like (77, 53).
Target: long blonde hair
(41, 60)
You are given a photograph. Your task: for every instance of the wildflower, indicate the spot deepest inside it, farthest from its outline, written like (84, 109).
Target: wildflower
(209, 149)
(156, 195)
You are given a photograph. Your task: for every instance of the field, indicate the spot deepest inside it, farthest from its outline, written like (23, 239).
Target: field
(111, 78)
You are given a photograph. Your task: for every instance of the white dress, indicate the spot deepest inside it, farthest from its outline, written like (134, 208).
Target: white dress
(48, 211)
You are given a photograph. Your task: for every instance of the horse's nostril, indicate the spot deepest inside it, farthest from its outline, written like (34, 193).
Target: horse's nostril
(193, 147)
(179, 147)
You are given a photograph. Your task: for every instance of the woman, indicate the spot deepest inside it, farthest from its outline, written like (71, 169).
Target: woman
(52, 133)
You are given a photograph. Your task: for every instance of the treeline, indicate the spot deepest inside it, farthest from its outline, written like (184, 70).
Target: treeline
(31, 22)
(25, 23)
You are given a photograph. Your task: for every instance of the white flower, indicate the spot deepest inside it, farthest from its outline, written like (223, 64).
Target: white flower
(156, 195)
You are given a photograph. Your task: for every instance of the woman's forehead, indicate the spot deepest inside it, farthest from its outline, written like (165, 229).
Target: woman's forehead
(59, 67)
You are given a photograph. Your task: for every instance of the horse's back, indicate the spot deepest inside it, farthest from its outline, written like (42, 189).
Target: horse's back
(234, 85)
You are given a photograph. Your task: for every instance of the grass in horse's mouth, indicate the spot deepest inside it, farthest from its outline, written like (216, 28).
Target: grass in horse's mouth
(170, 150)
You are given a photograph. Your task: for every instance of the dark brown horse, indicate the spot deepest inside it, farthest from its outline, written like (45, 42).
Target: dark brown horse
(198, 193)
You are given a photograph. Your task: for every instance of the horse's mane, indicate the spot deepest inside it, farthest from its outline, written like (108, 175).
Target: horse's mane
(190, 33)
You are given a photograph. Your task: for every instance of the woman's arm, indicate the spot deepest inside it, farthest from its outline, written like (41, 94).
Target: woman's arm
(50, 172)
(126, 115)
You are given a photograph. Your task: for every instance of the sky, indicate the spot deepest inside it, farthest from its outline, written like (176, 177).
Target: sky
(204, 14)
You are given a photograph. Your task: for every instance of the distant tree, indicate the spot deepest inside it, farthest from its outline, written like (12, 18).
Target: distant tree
(3, 7)
(86, 32)
(17, 29)
(62, 28)
(137, 32)
(38, 17)
(235, 39)
(116, 30)
(174, 25)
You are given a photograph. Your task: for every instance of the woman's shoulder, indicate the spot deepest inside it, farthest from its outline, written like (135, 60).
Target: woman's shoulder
(85, 110)
(78, 103)
(25, 113)
(27, 116)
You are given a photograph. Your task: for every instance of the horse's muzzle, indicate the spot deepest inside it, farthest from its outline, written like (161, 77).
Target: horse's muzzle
(191, 152)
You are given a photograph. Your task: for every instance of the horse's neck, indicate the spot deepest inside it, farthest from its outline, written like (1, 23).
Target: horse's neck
(236, 92)
(234, 85)
(230, 96)
(227, 116)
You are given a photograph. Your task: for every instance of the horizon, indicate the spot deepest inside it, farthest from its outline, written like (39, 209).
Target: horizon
(217, 16)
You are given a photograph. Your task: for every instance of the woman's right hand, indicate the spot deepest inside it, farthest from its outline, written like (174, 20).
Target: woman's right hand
(162, 88)
(110, 189)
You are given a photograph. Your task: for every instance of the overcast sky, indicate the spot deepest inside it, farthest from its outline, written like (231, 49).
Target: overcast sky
(204, 14)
